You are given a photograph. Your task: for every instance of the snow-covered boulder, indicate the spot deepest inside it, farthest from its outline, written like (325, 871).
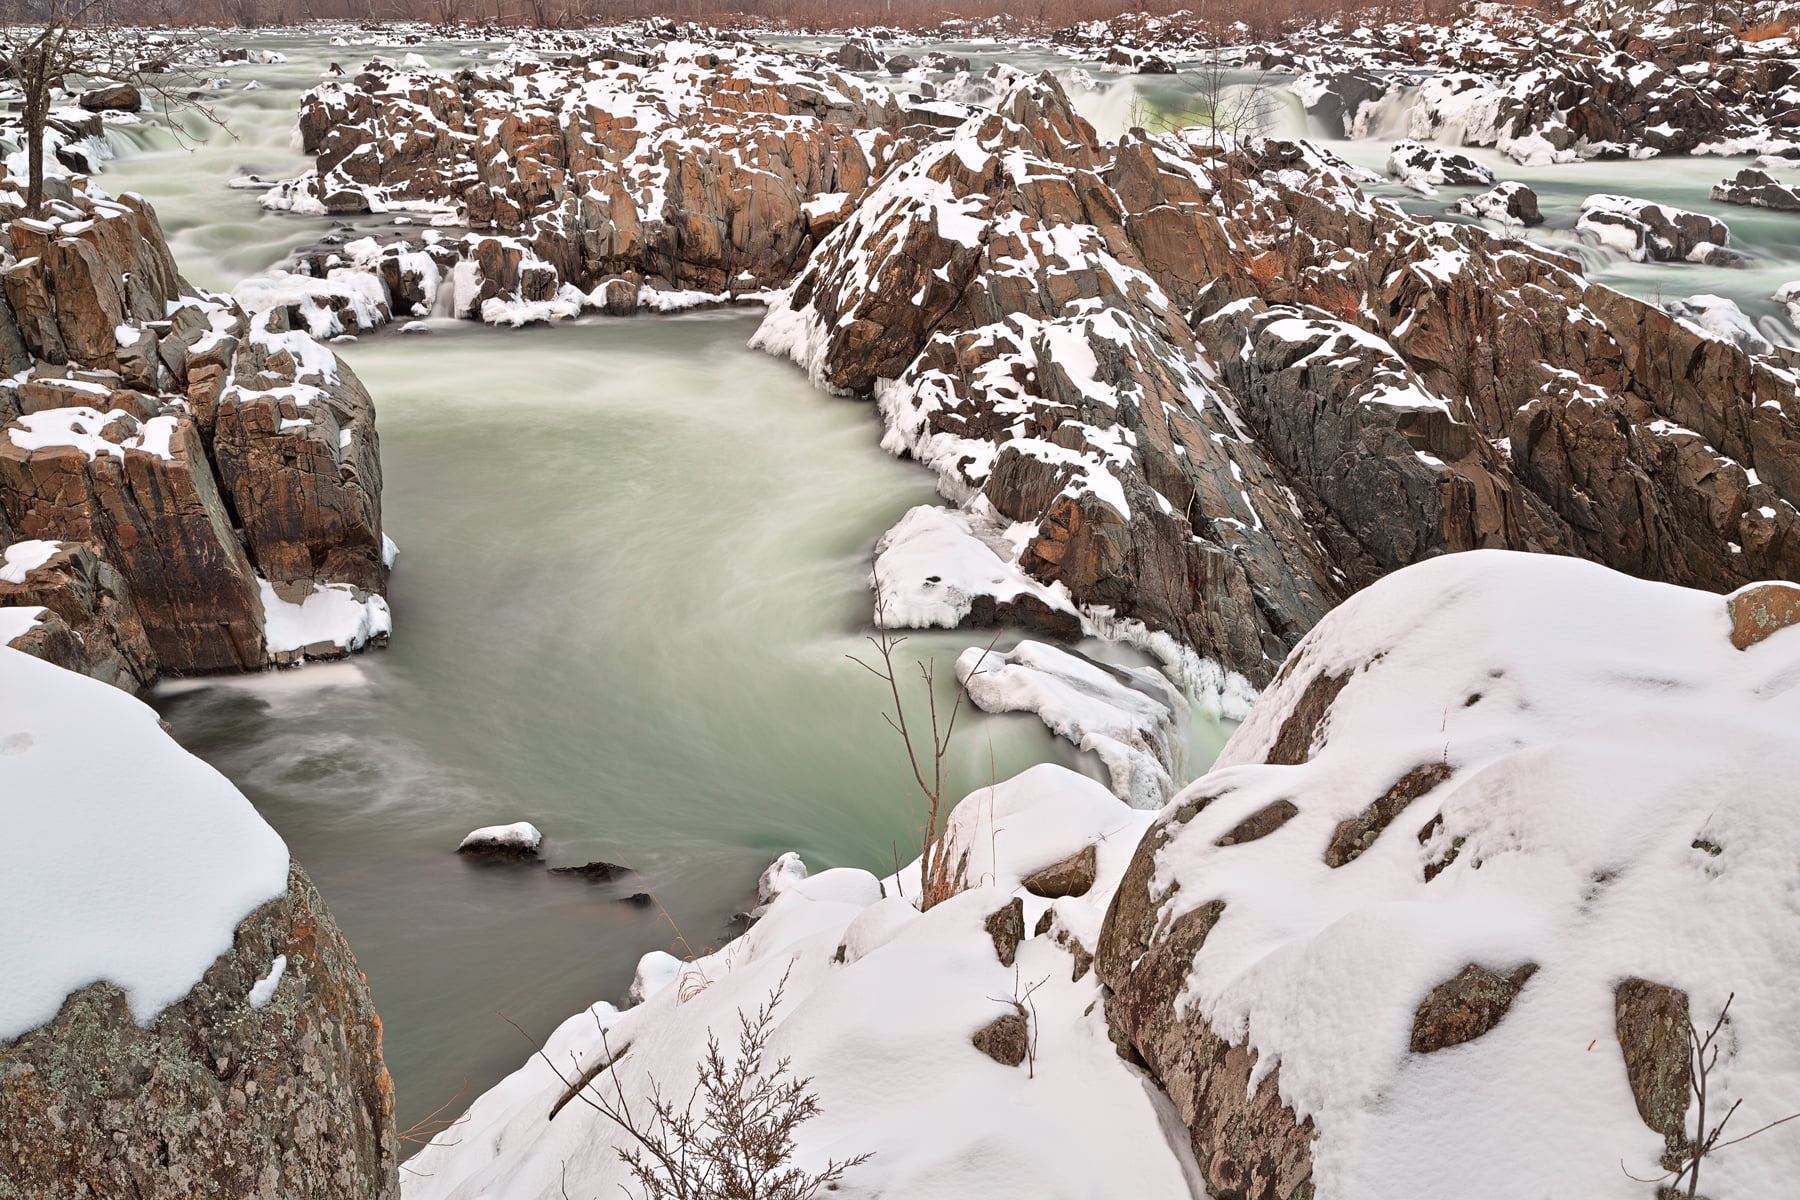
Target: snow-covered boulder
(1426, 168)
(1721, 318)
(1498, 817)
(1757, 189)
(520, 839)
(1648, 232)
(176, 1004)
(1510, 203)
(1131, 718)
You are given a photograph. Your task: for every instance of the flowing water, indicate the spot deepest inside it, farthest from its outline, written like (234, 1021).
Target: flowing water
(632, 562)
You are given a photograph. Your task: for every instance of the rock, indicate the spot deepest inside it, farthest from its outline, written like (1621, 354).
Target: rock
(518, 840)
(1507, 204)
(1653, 1031)
(1425, 168)
(1648, 232)
(218, 1096)
(91, 600)
(596, 872)
(1354, 835)
(1761, 610)
(1007, 927)
(900, 64)
(1757, 189)
(1260, 824)
(1071, 876)
(114, 97)
(1006, 1039)
(1465, 1006)
(855, 55)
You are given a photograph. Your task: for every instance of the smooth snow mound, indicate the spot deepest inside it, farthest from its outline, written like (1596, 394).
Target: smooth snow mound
(133, 861)
(332, 616)
(1621, 802)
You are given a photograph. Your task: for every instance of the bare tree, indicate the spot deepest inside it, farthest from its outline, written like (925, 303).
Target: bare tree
(44, 42)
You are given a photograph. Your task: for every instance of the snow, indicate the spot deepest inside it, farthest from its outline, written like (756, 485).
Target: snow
(147, 859)
(522, 835)
(85, 428)
(17, 621)
(932, 564)
(883, 1030)
(1130, 717)
(779, 876)
(1597, 727)
(22, 558)
(333, 615)
(264, 988)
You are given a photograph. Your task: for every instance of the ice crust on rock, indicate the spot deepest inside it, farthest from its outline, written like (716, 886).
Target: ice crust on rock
(1133, 719)
(162, 857)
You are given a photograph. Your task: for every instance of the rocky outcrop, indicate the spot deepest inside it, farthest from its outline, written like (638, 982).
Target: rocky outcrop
(1216, 392)
(662, 169)
(226, 1095)
(1552, 90)
(1333, 1027)
(199, 454)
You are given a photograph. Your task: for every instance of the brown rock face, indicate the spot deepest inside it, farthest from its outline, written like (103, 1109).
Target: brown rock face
(1071, 876)
(188, 447)
(92, 601)
(215, 1099)
(1007, 927)
(1465, 1006)
(160, 520)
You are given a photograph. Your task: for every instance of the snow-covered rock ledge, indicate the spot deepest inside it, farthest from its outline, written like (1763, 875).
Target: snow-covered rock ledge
(179, 1015)
(1500, 819)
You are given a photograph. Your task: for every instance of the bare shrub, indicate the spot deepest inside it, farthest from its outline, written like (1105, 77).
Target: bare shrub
(740, 1146)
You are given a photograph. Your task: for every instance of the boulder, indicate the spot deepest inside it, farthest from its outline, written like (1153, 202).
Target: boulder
(1757, 189)
(1509, 203)
(112, 97)
(1426, 168)
(1071, 876)
(1648, 232)
(1006, 1039)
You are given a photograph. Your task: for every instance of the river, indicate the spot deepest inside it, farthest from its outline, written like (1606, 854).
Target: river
(632, 563)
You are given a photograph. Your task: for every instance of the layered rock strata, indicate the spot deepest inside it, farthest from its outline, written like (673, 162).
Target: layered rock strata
(217, 465)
